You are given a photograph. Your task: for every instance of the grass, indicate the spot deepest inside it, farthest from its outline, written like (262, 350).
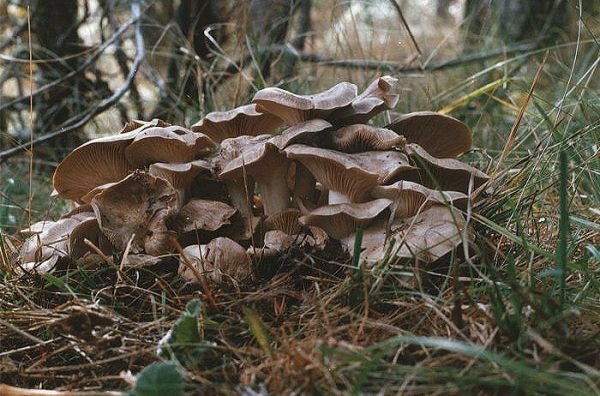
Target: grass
(515, 312)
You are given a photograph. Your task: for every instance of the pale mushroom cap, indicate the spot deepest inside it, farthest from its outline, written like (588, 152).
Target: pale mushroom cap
(360, 137)
(448, 174)
(201, 214)
(440, 135)
(172, 144)
(340, 220)
(220, 258)
(377, 97)
(50, 238)
(427, 237)
(92, 164)
(139, 204)
(244, 120)
(410, 197)
(294, 109)
(351, 174)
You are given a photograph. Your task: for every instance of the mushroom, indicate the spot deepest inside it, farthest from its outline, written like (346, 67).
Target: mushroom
(445, 174)
(244, 120)
(294, 109)
(90, 230)
(93, 164)
(136, 209)
(49, 242)
(360, 137)
(372, 101)
(300, 133)
(202, 214)
(440, 135)
(340, 220)
(172, 144)
(410, 197)
(268, 166)
(220, 258)
(286, 221)
(427, 237)
(349, 177)
(180, 176)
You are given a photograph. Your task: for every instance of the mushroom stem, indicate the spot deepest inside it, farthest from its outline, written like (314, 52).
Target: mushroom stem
(336, 197)
(274, 190)
(239, 200)
(304, 185)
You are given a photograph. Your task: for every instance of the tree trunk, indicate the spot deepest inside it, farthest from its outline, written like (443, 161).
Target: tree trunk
(517, 20)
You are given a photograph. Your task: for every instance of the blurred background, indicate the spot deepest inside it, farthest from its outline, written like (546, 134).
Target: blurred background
(75, 69)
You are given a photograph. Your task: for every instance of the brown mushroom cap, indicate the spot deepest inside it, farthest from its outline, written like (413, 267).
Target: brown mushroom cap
(440, 135)
(90, 230)
(300, 133)
(340, 220)
(244, 120)
(172, 144)
(360, 137)
(446, 174)
(353, 175)
(92, 164)
(377, 97)
(202, 214)
(410, 197)
(140, 205)
(268, 166)
(294, 109)
(428, 236)
(220, 258)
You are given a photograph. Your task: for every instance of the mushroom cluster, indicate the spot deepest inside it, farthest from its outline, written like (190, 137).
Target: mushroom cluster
(244, 185)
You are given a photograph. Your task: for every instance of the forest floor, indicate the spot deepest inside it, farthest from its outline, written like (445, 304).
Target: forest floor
(515, 312)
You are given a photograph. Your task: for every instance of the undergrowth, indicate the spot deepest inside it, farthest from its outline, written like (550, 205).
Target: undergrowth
(515, 311)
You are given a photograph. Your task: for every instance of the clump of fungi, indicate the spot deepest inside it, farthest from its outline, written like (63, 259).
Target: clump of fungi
(243, 186)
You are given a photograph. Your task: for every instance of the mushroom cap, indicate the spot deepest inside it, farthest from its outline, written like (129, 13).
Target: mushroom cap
(244, 120)
(179, 175)
(410, 197)
(360, 137)
(446, 174)
(428, 236)
(377, 97)
(300, 133)
(49, 239)
(440, 135)
(263, 158)
(87, 229)
(140, 205)
(220, 258)
(92, 164)
(171, 144)
(340, 220)
(202, 214)
(351, 174)
(139, 124)
(294, 109)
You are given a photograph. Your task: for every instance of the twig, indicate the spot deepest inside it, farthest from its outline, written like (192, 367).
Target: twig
(401, 14)
(101, 50)
(106, 103)
(205, 288)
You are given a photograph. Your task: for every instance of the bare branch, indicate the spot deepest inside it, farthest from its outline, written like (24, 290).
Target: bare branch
(106, 103)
